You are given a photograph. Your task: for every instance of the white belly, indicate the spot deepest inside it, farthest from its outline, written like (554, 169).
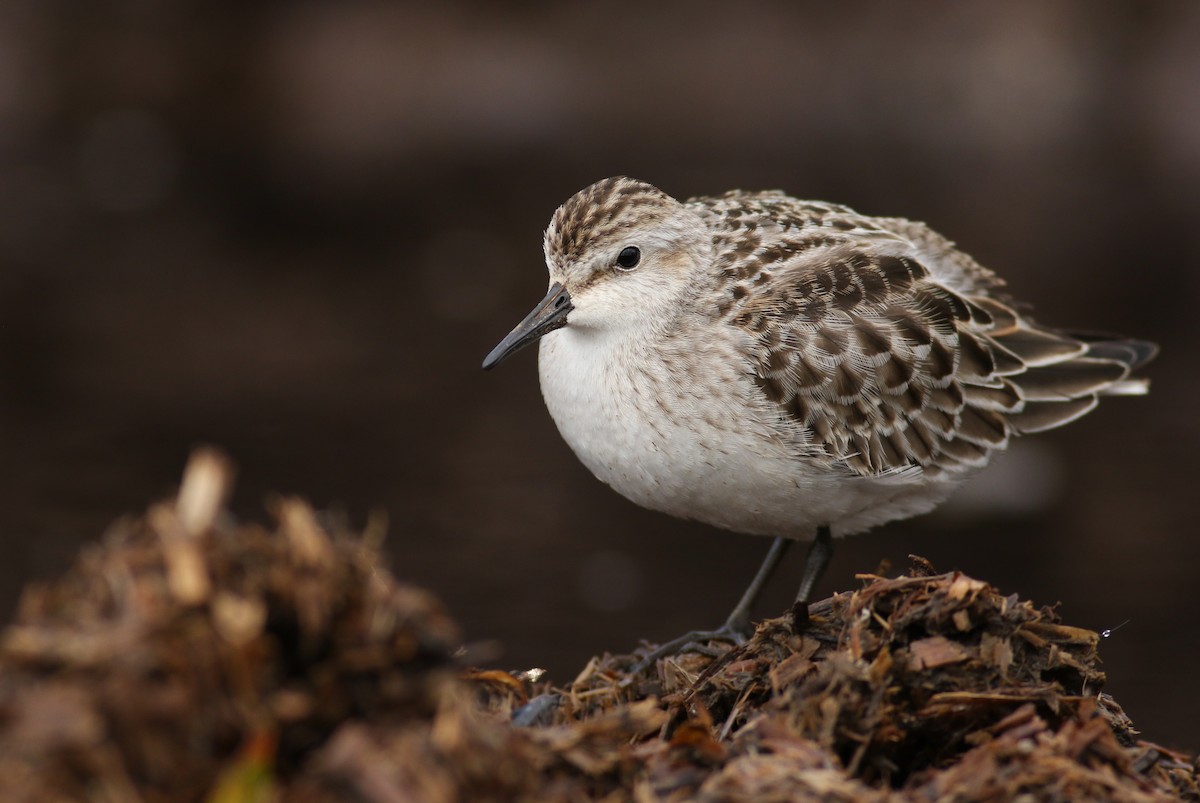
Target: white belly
(706, 450)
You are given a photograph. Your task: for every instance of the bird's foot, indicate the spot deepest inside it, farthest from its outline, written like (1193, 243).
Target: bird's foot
(734, 631)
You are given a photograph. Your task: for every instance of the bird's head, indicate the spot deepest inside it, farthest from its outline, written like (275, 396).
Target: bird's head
(620, 253)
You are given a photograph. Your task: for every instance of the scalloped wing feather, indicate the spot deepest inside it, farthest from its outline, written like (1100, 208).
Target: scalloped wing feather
(887, 348)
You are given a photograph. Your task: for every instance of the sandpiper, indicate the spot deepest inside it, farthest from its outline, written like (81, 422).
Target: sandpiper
(790, 368)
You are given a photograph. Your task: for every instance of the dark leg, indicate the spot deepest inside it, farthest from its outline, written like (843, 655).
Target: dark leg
(739, 620)
(737, 627)
(815, 564)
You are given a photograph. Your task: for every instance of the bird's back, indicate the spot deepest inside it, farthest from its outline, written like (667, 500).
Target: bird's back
(887, 348)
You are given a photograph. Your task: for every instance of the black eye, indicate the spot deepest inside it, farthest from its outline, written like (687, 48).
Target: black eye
(629, 257)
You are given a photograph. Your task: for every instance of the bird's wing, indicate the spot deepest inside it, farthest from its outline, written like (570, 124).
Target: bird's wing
(885, 367)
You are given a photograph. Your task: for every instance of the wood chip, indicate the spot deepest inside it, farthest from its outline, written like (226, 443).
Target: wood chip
(935, 651)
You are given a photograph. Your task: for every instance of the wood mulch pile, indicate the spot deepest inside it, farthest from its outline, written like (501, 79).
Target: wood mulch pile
(189, 657)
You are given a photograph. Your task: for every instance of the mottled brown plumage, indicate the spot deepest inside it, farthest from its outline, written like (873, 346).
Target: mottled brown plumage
(777, 366)
(888, 366)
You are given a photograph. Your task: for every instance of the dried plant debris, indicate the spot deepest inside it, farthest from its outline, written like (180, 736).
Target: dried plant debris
(192, 658)
(185, 644)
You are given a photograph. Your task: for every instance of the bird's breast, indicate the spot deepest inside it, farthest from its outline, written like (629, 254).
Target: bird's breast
(613, 407)
(683, 431)
(671, 430)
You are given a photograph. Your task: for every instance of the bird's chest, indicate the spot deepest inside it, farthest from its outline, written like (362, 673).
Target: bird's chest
(661, 431)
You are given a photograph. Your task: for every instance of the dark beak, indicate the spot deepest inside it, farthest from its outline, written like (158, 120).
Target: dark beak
(548, 315)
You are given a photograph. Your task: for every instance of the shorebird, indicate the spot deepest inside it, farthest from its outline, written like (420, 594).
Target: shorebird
(790, 368)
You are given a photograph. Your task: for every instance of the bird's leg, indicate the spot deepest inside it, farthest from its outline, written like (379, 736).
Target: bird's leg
(818, 558)
(737, 627)
(739, 619)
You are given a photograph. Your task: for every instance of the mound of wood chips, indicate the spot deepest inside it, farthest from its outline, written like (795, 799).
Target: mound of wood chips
(192, 658)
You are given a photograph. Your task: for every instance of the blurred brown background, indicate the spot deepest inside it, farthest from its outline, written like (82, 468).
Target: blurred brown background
(294, 230)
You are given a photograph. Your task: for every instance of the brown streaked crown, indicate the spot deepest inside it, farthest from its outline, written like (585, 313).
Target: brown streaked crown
(599, 212)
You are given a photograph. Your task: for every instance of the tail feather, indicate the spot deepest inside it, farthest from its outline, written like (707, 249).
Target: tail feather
(1039, 416)
(1041, 348)
(1069, 379)
(1134, 353)
(1128, 387)
(1064, 373)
